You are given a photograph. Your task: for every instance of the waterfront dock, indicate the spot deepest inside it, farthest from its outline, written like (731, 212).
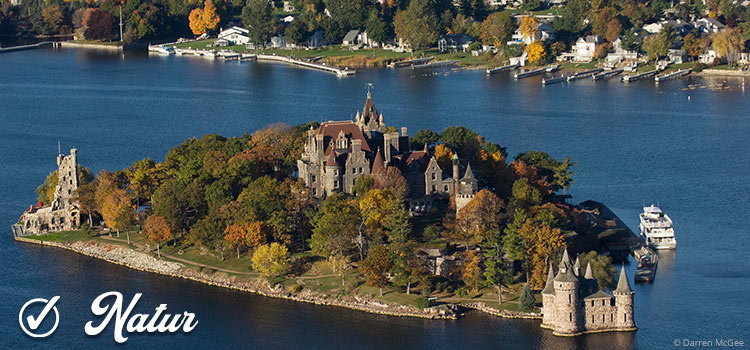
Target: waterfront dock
(632, 78)
(537, 71)
(503, 68)
(411, 62)
(314, 65)
(28, 47)
(553, 80)
(434, 64)
(584, 74)
(668, 76)
(606, 75)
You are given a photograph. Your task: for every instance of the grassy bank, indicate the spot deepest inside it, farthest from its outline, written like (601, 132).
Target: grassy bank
(308, 272)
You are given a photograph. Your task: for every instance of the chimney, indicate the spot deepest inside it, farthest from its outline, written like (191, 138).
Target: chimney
(403, 131)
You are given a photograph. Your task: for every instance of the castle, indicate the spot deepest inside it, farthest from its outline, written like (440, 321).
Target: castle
(337, 153)
(573, 304)
(63, 213)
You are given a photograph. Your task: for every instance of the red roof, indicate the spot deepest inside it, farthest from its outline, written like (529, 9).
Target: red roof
(331, 131)
(378, 165)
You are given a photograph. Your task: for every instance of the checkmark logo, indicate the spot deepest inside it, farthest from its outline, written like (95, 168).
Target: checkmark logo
(35, 321)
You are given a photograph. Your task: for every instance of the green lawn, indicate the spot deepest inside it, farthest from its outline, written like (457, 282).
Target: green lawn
(65, 236)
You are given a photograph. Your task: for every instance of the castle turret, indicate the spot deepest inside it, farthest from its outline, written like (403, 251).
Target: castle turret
(548, 300)
(624, 317)
(455, 169)
(567, 312)
(577, 267)
(378, 165)
(589, 272)
(332, 174)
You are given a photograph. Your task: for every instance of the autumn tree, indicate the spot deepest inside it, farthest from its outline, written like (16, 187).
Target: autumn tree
(541, 240)
(98, 24)
(271, 260)
(157, 231)
(497, 29)
(536, 53)
(692, 45)
(384, 216)
(53, 17)
(204, 19)
(236, 237)
(117, 211)
(376, 266)
(443, 155)
(602, 269)
(478, 217)
(529, 29)
(392, 179)
(471, 272)
(728, 44)
(257, 16)
(85, 197)
(256, 233)
(656, 46)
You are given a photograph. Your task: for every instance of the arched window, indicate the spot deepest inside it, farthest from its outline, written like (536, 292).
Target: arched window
(570, 299)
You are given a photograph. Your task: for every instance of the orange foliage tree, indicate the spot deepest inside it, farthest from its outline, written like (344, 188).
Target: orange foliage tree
(157, 231)
(205, 19)
(542, 240)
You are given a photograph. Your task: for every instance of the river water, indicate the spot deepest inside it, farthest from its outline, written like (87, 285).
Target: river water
(682, 148)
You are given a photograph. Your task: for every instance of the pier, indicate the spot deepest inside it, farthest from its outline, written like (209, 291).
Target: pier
(503, 68)
(668, 76)
(584, 74)
(553, 80)
(411, 62)
(534, 72)
(338, 71)
(607, 75)
(28, 47)
(631, 78)
(434, 64)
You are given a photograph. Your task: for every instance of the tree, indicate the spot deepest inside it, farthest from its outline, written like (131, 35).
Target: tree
(526, 299)
(602, 268)
(376, 27)
(424, 137)
(271, 260)
(85, 197)
(117, 211)
(444, 156)
(53, 17)
(295, 32)
(656, 46)
(497, 29)
(525, 196)
(236, 237)
(513, 244)
(478, 217)
(471, 272)
(392, 179)
(46, 191)
(384, 215)
(541, 241)
(257, 16)
(408, 268)
(376, 266)
(204, 19)
(692, 45)
(157, 231)
(98, 24)
(496, 273)
(334, 228)
(536, 52)
(614, 28)
(728, 43)
(529, 28)
(417, 25)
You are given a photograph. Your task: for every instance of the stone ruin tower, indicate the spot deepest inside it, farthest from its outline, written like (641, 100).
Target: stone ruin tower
(63, 214)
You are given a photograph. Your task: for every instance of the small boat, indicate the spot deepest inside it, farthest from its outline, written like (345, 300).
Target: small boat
(656, 228)
(162, 50)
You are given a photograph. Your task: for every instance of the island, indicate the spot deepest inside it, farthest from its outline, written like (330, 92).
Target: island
(352, 213)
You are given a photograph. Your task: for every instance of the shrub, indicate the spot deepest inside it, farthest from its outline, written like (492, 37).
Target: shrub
(698, 67)
(421, 303)
(527, 300)
(461, 292)
(295, 288)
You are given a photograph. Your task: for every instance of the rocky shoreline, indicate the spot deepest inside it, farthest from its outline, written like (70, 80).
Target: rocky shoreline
(140, 261)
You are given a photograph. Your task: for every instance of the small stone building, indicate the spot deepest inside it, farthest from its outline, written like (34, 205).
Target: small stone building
(573, 304)
(63, 213)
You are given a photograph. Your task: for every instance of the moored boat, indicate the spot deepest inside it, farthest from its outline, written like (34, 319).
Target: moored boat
(656, 228)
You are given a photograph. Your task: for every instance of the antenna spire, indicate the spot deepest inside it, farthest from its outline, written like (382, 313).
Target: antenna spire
(59, 150)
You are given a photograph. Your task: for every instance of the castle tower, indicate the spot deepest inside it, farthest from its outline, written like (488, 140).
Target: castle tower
(455, 170)
(467, 189)
(577, 267)
(378, 165)
(548, 300)
(624, 317)
(332, 175)
(567, 311)
(67, 180)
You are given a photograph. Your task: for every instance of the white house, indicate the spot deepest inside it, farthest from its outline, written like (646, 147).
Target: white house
(350, 39)
(544, 32)
(680, 27)
(709, 25)
(620, 54)
(288, 6)
(234, 36)
(585, 48)
(454, 42)
(708, 56)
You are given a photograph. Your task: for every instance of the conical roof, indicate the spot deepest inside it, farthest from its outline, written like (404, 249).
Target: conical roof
(378, 165)
(469, 175)
(549, 287)
(623, 286)
(589, 272)
(565, 260)
(577, 267)
(426, 150)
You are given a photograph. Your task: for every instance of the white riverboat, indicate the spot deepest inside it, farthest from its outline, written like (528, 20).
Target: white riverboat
(656, 228)
(161, 50)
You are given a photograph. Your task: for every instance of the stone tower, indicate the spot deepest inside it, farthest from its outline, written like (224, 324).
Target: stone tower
(467, 188)
(624, 319)
(566, 313)
(67, 180)
(548, 299)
